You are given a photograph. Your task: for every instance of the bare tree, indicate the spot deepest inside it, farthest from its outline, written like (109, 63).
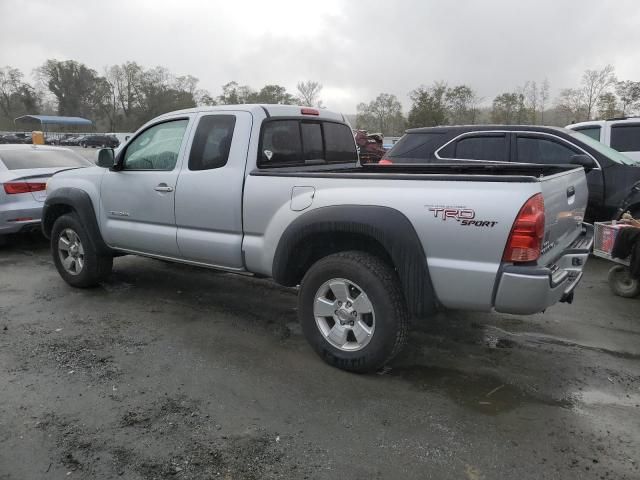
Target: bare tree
(594, 84)
(572, 104)
(544, 96)
(309, 93)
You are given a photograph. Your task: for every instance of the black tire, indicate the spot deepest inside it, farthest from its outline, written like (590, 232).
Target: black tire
(95, 269)
(622, 284)
(382, 287)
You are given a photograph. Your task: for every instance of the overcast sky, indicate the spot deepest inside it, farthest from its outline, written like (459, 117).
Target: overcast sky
(356, 49)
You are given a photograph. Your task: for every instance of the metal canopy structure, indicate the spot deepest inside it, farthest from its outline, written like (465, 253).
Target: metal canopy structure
(45, 120)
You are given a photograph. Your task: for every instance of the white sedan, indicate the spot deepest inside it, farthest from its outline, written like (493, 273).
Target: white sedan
(24, 171)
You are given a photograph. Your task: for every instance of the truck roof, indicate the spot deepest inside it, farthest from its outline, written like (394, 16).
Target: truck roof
(269, 110)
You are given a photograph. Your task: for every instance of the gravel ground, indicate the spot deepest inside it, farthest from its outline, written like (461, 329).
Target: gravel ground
(167, 371)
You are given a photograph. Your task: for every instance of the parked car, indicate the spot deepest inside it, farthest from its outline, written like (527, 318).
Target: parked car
(94, 141)
(614, 179)
(74, 141)
(12, 139)
(24, 171)
(277, 191)
(621, 134)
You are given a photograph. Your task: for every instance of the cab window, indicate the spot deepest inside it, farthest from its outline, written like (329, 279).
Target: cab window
(625, 138)
(212, 142)
(157, 148)
(593, 132)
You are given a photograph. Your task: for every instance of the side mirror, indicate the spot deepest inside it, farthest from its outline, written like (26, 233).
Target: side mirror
(106, 158)
(583, 160)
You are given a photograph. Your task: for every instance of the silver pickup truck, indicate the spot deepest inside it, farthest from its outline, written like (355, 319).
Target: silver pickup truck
(277, 191)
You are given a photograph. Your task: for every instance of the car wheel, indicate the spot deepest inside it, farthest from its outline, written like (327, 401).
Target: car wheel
(622, 284)
(75, 256)
(353, 312)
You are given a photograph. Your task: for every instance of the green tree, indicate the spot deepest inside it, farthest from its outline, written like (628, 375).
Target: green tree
(382, 115)
(509, 108)
(272, 94)
(429, 106)
(461, 105)
(608, 106)
(234, 94)
(73, 85)
(629, 94)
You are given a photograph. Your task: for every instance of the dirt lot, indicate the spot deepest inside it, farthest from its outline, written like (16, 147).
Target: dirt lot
(167, 371)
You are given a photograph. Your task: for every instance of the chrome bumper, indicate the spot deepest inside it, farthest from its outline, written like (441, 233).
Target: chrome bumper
(525, 290)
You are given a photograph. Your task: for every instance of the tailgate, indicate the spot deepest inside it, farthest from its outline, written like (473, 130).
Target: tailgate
(565, 202)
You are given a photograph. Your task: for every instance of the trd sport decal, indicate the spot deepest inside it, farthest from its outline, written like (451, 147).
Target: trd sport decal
(463, 215)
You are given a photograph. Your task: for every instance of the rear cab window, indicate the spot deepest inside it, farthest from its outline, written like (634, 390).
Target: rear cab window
(296, 142)
(625, 137)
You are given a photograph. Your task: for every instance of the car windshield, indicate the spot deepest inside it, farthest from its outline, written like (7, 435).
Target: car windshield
(608, 152)
(40, 158)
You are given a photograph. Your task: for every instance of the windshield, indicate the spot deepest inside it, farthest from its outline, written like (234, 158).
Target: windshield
(608, 152)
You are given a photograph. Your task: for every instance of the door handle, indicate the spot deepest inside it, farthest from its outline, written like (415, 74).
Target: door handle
(163, 187)
(571, 191)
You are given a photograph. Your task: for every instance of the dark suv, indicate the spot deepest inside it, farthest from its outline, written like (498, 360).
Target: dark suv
(104, 141)
(614, 179)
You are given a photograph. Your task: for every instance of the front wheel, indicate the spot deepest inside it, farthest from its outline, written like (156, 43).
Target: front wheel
(74, 255)
(622, 284)
(353, 312)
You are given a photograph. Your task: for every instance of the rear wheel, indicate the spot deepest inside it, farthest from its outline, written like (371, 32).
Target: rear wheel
(74, 255)
(352, 311)
(622, 284)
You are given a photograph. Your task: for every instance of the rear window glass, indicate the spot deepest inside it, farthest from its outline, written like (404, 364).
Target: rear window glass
(593, 132)
(281, 144)
(36, 158)
(417, 145)
(312, 141)
(212, 142)
(297, 142)
(339, 143)
(625, 138)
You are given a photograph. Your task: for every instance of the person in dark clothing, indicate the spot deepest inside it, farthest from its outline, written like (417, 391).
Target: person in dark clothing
(628, 244)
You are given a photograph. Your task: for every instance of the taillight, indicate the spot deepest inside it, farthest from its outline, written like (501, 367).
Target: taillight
(385, 161)
(12, 188)
(309, 111)
(527, 233)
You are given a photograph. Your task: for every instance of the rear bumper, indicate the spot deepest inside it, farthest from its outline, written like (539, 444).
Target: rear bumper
(17, 220)
(527, 290)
